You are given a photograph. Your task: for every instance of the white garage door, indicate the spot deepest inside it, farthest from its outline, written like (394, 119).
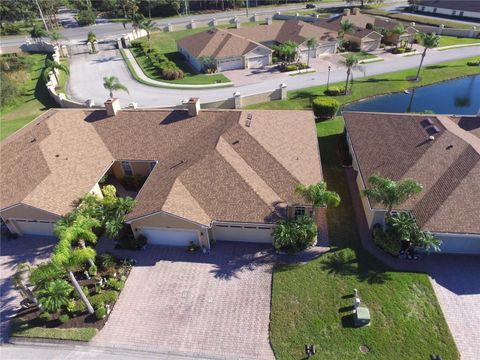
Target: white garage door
(325, 50)
(30, 227)
(370, 45)
(304, 54)
(244, 233)
(230, 64)
(171, 237)
(257, 62)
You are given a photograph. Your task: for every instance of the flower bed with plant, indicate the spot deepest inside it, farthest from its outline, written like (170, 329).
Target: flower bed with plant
(75, 289)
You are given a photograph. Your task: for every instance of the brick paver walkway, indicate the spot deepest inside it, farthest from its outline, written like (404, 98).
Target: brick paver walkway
(13, 252)
(455, 279)
(215, 305)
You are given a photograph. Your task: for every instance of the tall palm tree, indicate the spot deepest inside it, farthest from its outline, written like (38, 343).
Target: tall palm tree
(391, 193)
(55, 36)
(71, 260)
(346, 26)
(149, 26)
(111, 83)
(37, 33)
(350, 62)
(52, 66)
(54, 295)
(136, 20)
(311, 44)
(428, 41)
(115, 215)
(398, 30)
(317, 195)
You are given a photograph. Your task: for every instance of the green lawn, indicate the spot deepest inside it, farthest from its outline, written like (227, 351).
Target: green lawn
(453, 40)
(361, 55)
(311, 303)
(375, 85)
(21, 329)
(34, 100)
(164, 42)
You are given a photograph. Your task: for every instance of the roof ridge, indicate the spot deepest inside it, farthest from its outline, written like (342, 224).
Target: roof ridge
(456, 130)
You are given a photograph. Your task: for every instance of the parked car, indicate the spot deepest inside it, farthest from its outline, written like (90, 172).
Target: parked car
(311, 6)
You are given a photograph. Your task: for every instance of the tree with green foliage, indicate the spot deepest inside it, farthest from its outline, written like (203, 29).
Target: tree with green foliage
(111, 83)
(91, 37)
(391, 193)
(428, 41)
(296, 235)
(350, 62)
(317, 195)
(37, 33)
(54, 295)
(53, 66)
(148, 26)
(19, 281)
(55, 36)
(398, 30)
(311, 44)
(346, 27)
(115, 210)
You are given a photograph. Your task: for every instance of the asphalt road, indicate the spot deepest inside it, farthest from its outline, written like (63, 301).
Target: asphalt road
(87, 72)
(109, 31)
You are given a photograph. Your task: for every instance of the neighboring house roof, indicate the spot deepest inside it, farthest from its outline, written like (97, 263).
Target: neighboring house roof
(397, 146)
(210, 167)
(468, 5)
(294, 30)
(217, 43)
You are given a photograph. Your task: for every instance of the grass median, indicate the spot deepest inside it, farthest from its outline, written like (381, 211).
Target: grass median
(22, 329)
(375, 85)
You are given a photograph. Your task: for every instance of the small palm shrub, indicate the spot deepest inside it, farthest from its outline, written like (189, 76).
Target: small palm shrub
(325, 108)
(100, 311)
(294, 236)
(54, 295)
(63, 318)
(106, 297)
(115, 284)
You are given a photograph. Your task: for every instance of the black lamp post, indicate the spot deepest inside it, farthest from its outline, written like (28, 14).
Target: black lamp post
(328, 78)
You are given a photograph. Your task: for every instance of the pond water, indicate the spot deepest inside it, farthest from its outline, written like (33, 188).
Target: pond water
(461, 96)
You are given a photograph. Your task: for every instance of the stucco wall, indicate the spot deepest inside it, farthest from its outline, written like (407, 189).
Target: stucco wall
(221, 104)
(449, 12)
(449, 31)
(261, 97)
(25, 212)
(164, 220)
(460, 243)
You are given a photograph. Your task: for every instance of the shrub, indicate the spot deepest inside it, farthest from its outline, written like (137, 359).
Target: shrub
(9, 89)
(92, 270)
(10, 29)
(135, 43)
(127, 240)
(106, 297)
(108, 261)
(115, 284)
(100, 311)
(295, 236)
(45, 316)
(325, 108)
(474, 62)
(79, 307)
(399, 50)
(334, 91)
(388, 242)
(86, 17)
(63, 318)
(71, 305)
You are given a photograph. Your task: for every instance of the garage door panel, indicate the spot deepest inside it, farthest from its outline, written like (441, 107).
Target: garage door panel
(43, 228)
(170, 237)
(325, 50)
(230, 64)
(370, 45)
(257, 62)
(243, 233)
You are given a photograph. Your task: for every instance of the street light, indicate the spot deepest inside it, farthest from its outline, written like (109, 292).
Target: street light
(328, 78)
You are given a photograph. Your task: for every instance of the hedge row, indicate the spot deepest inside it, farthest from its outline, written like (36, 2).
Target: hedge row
(167, 69)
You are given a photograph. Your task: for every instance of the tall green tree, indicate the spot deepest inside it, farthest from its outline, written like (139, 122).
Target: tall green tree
(391, 193)
(115, 211)
(398, 30)
(350, 62)
(37, 33)
(317, 195)
(346, 27)
(428, 41)
(52, 66)
(149, 26)
(54, 295)
(111, 83)
(311, 44)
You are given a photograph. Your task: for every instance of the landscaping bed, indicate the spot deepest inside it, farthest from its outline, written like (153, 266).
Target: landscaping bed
(312, 303)
(31, 321)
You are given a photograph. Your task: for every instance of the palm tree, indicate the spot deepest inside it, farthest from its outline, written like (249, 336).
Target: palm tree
(311, 44)
(37, 33)
(351, 62)
(19, 281)
(54, 295)
(136, 20)
(148, 26)
(318, 195)
(428, 41)
(398, 30)
(428, 241)
(52, 66)
(112, 83)
(390, 193)
(115, 215)
(70, 260)
(404, 225)
(55, 36)
(346, 26)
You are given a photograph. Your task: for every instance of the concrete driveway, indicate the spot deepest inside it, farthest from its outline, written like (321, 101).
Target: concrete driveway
(456, 281)
(33, 249)
(213, 305)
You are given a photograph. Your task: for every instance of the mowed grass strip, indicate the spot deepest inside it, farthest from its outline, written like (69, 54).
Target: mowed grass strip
(31, 103)
(312, 303)
(375, 85)
(22, 329)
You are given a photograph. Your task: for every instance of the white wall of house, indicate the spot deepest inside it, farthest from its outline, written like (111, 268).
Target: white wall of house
(460, 243)
(449, 12)
(195, 63)
(321, 50)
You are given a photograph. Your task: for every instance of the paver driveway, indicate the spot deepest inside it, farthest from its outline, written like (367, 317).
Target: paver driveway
(456, 280)
(14, 251)
(215, 305)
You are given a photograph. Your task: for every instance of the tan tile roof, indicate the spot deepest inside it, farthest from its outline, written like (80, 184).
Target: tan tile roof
(210, 167)
(217, 43)
(360, 22)
(294, 30)
(397, 146)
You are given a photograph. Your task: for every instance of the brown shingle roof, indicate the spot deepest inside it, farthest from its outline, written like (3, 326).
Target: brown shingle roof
(217, 43)
(222, 172)
(397, 146)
